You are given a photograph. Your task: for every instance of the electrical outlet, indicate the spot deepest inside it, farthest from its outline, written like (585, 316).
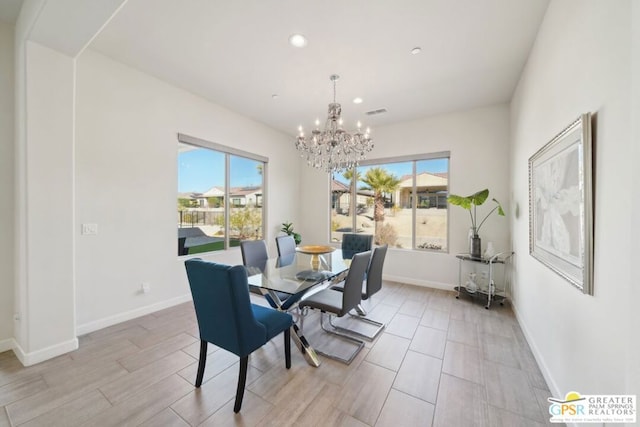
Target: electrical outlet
(89, 229)
(16, 317)
(145, 287)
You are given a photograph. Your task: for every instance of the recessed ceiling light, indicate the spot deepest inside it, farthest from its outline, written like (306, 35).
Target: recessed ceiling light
(274, 96)
(416, 50)
(297, 40)
(357, 100)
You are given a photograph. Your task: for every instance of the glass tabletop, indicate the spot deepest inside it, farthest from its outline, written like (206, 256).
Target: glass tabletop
(498, 258)
(294, 273)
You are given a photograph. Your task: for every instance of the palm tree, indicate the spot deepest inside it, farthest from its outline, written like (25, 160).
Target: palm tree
(352, 176)
(379, 181)
(349, 174)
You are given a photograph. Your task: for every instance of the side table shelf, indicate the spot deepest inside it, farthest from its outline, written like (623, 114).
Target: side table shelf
(494, 290)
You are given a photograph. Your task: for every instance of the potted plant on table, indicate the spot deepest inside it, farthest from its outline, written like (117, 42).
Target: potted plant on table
(287, 227)
(471, 204)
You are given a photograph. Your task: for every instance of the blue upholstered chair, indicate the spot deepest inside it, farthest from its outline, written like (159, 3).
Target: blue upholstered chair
(355, 243)
(227, 318)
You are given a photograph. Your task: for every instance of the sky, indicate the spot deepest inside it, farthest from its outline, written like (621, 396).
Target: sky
(405, 168)
(201, 169)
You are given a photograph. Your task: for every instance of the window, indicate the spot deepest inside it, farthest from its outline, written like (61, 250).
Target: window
(209, 175)
(402, 202)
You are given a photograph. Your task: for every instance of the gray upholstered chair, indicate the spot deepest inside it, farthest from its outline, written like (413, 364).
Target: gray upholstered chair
(370, 286)
(340, 303)
(254, 255)
(286, 245)
(353, 243)
(254, 258)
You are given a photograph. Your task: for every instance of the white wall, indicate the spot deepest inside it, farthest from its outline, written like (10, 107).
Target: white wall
(6, 183)
(49, 182)
(580, 63)
(479, 144)
(43, 193)
(633, 355)
(126, 182)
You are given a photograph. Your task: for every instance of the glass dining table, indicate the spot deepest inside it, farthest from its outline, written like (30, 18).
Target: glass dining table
(296, 274)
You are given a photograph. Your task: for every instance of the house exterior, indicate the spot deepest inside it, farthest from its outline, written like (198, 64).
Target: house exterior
(431, 189)
(240, 197)
(341, 198)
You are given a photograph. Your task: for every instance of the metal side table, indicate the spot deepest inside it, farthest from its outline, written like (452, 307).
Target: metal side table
(492, 290)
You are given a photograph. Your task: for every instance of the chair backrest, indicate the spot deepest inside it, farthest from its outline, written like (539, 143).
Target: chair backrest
(285, 260)
(223, 307)
(355, 243)
(352, 293)
(254, 255)
(286, 245)
(374, 274)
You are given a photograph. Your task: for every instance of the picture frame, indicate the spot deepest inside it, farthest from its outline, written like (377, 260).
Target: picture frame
(561, 204)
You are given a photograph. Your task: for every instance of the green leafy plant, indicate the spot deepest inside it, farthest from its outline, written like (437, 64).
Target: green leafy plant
(471, 204)
(287, 227)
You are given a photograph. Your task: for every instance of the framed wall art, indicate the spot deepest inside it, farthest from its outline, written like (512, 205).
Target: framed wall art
(561, 204)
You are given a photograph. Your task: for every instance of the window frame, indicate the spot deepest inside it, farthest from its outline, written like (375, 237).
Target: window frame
(414, 159)
(228, 152)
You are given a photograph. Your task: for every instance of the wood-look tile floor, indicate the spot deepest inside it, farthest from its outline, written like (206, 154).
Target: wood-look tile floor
(440, 361)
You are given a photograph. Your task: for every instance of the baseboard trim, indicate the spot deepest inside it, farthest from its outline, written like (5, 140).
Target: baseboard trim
(28, 359)
(128, 315)
(553, 386)
(418, 282)
(6, 345)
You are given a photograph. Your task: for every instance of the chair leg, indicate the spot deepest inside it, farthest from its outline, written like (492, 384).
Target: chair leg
(379, 327)
(287, 347)
(359, 344)
(301, 314)
(202, 363)
(242, 380)
(362, 313)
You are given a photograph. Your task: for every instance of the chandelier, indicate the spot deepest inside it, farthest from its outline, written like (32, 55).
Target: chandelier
(333, 149)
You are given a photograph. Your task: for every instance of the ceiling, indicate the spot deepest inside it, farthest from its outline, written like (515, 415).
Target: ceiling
(236, 54)
(9, 10)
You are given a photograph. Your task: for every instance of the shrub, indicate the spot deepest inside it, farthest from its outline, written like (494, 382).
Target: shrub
(386, 234)
(427, 245)
(245, 222)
